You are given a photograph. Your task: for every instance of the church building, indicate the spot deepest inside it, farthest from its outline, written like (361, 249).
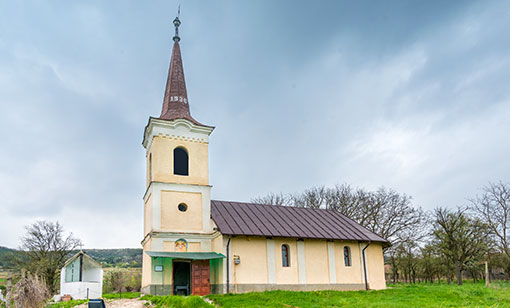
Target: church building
(195, 245)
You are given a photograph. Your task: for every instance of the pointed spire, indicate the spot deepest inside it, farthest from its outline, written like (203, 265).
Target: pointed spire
(175, 102)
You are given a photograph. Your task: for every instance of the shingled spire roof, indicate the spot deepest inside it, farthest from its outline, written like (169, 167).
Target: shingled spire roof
(175, 102)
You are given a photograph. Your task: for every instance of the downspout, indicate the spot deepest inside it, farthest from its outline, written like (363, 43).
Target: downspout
(365, 265)
(228, 265)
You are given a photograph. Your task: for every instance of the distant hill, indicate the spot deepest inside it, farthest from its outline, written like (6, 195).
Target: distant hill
(125, 257)
(6, 257)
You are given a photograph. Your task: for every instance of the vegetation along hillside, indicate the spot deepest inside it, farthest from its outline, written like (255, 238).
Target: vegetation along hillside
(126, 257)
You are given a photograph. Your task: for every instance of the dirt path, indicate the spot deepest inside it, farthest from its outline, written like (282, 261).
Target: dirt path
(120, 303)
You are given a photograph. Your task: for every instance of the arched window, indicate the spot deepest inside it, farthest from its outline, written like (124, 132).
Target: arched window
(180, 161)
(347, 256)
(285, 255)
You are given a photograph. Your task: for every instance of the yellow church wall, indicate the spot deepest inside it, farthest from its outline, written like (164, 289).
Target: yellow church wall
(146, 264)
(217, 244)
(316, 260)
(163, 161)
(174, 220)
(147, 216)
(348, 274)
(375, 267)
(286, 275)
(253, 255)
(194, 247)
(217, 265)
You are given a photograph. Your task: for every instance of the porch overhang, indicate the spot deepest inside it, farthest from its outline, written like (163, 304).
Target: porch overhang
(186, 255)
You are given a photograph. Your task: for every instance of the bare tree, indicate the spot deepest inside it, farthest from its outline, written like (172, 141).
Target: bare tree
(272, 199)
(313, 198)
(460, 238)
(493, 207)
(46, 247)
(392, 216)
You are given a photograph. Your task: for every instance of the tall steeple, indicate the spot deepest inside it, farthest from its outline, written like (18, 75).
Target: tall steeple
(175, 102)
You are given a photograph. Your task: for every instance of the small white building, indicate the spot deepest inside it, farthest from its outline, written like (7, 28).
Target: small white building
(81, 277)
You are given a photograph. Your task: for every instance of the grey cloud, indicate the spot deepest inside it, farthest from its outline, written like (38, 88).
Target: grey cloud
(410, 95)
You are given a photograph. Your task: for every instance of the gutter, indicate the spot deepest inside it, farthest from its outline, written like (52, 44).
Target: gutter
(365, 264)
(228, 265)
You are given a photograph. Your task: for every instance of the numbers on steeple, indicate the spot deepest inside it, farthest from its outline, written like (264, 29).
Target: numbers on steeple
(178, 99)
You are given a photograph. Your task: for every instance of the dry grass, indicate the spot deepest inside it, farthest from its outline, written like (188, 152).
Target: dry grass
(28, 292)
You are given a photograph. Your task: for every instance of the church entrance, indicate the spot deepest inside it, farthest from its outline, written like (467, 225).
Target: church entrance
(200, 272)
(181, 278)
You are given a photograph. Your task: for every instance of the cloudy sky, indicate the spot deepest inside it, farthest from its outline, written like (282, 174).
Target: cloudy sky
(411, 95)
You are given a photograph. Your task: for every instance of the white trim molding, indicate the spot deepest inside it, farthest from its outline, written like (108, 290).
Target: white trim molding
(179, 128)
(271, 264)
(332, 262)
(301, 261)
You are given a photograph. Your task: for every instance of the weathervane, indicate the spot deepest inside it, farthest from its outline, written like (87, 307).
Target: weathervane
(177, 23)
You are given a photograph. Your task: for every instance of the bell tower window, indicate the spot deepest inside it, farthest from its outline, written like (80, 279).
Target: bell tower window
(181, 161)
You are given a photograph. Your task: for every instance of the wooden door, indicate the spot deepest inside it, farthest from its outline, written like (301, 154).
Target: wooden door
(200, 277)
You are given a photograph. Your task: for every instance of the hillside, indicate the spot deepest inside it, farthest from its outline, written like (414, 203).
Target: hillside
(6, 257)
(125, 257)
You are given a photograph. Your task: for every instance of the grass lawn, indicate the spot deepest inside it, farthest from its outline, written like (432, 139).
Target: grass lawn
(68, 304)
(177, 301)
(403, 295)
(123, 295)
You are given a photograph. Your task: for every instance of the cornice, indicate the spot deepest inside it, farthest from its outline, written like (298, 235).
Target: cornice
(182, 129)
(187, 235)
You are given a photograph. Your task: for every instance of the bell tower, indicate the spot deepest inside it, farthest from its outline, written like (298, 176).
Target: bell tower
(178, 195)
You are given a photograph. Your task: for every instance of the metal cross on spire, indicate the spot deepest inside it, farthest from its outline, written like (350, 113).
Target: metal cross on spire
(177, 23)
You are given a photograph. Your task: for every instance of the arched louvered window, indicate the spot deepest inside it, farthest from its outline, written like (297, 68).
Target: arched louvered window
(285, 255)
(181, 161)
(347, 256)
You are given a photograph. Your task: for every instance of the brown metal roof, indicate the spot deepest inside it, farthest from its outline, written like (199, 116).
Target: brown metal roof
(239, 218)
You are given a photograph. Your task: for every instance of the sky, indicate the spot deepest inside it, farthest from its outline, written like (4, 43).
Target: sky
(409, 95)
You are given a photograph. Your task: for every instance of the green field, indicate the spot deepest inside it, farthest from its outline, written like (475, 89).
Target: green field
(418, 295)
(399, 296)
